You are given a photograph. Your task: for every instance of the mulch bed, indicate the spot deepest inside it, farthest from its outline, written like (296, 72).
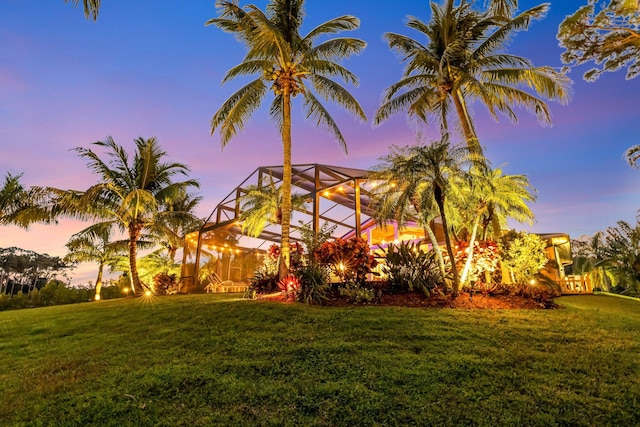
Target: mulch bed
(419, 300)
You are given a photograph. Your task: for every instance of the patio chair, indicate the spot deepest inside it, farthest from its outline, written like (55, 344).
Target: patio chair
(216, 284)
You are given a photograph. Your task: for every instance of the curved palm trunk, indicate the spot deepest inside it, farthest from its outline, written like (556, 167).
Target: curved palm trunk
(497, 234)
(436, 249)
(136, 284)
(447, 240)
(98, 282)
(467, 127)
(472, 242)
(286, 183)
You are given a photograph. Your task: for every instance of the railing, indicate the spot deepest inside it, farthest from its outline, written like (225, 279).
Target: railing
(576, 284)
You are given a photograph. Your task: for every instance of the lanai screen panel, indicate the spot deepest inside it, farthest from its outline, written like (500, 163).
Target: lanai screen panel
(335, 196)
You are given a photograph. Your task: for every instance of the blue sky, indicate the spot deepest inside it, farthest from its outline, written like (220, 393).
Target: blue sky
(154, 69)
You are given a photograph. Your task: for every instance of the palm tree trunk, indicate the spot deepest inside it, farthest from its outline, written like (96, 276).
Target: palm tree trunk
(436, 249)
(136, 285)
(98, 282)
(447, 240)
(472, 242)
(497, 235)
(467, 127)
(286, 182)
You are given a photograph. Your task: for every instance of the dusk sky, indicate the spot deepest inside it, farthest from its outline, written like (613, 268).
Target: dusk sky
(154, 69)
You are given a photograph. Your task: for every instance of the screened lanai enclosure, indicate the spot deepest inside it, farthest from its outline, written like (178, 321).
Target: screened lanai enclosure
(330, 197)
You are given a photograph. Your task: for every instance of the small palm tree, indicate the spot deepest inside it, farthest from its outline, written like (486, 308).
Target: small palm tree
(130, 194)
(401, 195)
(434, 167)
(622, 252)
(94, 244)
(262, 204)
(464, 60)
(494, 197)
(287, 64)
(175, 220)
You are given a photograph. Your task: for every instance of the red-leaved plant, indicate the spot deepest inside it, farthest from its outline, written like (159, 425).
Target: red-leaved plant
(350, 259)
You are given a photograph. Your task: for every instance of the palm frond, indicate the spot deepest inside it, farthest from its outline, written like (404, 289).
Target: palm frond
(247, 68)
(332, 26)
(236, 110)
(332, 91)
(330, 68)
(336, 48)
(316, 111)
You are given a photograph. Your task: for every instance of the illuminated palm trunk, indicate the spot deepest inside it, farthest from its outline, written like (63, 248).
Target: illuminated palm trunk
(286, 181)
(467, 127)
(136, 285)
(439, 196)
(98, 282)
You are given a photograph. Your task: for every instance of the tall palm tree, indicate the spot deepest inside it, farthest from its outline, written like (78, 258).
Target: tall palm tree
(287, 64)
(91, 7)
(464, 60)
(423, 175)
(95, 244)
(130, 193)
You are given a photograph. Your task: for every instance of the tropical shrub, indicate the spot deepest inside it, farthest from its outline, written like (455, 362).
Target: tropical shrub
(165, 284)
(409, 268)
(349, 259)
(357, 292)
(485, 261)
(290, 287)
(523, 254)
(314, 281)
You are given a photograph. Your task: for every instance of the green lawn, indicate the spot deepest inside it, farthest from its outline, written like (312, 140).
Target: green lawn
(202, 360)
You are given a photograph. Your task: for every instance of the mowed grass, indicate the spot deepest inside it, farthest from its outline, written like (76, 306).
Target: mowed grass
(201, 360)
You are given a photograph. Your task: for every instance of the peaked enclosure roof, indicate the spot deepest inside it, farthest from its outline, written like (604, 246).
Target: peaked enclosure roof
(335, 196)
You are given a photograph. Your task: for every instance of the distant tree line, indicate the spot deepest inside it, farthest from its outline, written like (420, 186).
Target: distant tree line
(23, 271)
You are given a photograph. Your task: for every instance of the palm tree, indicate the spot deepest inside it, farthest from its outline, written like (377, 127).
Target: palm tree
(287, 64)
(12, 197)
(21, 206)
(262, 204)
(428, 171)
(622, 252)
(130, 194)
(495, 197)
(589, 257)
(94, 244)
(464, 60)
(175, 220)
(401, 195)
(91, 7)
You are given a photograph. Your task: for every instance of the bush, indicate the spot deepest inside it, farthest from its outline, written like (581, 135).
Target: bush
(314, 280)
(165, 284)
(357, 293)
(408, 268)
(350, 259)
(524, 255)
